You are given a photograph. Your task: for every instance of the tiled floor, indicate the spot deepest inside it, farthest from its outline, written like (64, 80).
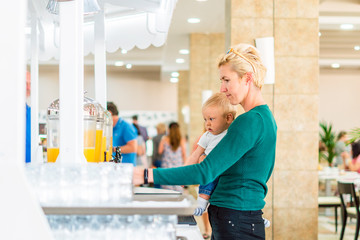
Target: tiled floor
(326, 228)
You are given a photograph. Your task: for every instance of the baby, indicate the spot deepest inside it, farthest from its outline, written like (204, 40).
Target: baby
(218, 114)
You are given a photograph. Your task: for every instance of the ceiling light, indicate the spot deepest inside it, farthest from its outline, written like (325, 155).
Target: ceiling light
(128, 66)
(123, 51)
(180, 60)
(346, 26)
(335, 65)
(201, 0)
(193, 20)
(119, 63)
(175, 74)
(357, 48)
(319, 34)
(184, 51)
(174, 80)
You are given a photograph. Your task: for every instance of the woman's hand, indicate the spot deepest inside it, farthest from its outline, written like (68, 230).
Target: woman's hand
(138, 176)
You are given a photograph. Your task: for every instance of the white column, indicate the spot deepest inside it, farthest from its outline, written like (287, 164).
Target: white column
(21, 216)
(34, 88)
(100, 56)
(71, 82)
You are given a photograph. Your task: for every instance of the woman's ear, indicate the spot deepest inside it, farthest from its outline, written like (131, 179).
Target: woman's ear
(249, 76)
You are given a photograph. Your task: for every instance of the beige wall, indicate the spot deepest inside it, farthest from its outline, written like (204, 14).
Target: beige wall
(339, 95)
(130, 91)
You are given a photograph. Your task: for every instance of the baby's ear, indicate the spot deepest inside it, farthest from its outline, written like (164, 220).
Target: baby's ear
(229, 117)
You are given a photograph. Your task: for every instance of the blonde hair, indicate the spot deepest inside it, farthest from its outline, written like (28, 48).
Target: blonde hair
(161, 128)
(245, 58)
(221, 101)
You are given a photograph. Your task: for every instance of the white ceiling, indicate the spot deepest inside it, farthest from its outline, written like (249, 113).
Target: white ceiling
(336, 45)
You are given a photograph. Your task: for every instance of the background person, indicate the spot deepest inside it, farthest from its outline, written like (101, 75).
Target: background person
(156, 156)
(173, 150)
(342, 150)
(124, 135)
(141, 159)
(354, 165)
(142, 130)
(243, 160)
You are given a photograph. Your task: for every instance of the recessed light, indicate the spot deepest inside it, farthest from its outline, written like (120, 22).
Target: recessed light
(201, 0)
(335, 65)
(119, 63)
(193, 20)
(180, 60)
(175, 74)
(346, 26)
(123, 51)
(174, 80)
(128, 66)
(357, 48)
(184, 51)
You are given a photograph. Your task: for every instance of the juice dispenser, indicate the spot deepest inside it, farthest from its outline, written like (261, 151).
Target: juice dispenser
(106, 152)
(90, 115)
(53, 131)
(99, 127)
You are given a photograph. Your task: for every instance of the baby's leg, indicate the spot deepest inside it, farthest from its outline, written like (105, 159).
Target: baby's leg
(204, 196)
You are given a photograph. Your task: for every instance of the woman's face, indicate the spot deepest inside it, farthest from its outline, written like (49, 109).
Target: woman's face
(232, 85)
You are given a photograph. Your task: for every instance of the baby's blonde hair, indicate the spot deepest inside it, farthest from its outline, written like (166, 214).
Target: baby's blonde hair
(221, 101)
(244, 58)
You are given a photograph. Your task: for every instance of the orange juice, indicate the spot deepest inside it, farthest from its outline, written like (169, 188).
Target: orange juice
(103, 149)
(98, 146)
(89, 154)
(109, 150)
(89, 138)
(52, 154)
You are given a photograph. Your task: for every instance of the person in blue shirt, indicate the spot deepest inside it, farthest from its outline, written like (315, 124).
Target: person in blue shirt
(124, 135)
(28, 122)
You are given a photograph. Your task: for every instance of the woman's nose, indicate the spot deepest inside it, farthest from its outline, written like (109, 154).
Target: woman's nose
(223, 88)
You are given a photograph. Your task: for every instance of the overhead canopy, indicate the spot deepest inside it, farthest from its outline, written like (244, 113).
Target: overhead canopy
(139, 23)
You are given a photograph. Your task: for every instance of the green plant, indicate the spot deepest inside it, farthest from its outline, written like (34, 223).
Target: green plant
(327, 138)
(354, 135)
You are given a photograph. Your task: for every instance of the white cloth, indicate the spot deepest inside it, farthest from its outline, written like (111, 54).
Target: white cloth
(208, 140)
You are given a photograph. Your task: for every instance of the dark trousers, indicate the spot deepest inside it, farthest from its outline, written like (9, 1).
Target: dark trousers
(234, 224)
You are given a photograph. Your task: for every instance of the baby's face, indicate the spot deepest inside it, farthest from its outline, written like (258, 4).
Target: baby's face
(215, 120)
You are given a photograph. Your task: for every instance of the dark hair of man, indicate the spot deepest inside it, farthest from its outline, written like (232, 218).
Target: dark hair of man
(112, 108)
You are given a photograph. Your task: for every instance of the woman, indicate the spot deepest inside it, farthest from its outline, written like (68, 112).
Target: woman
(354, 165)
(173, 151)
(243, 160)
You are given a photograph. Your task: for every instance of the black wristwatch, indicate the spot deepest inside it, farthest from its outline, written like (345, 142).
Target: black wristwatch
(146, 176)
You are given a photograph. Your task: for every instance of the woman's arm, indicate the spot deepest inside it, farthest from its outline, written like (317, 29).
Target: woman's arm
(195, 156)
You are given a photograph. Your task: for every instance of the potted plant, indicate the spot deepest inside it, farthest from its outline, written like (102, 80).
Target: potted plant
(354, 135)
(327, 140)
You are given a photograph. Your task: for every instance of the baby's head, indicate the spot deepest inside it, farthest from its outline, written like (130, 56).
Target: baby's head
(218, 113)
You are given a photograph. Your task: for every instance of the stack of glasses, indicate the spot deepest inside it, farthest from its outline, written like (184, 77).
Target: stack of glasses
(109, 227)
(91, 184)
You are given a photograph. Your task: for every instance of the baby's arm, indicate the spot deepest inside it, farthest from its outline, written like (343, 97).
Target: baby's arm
(194, 157)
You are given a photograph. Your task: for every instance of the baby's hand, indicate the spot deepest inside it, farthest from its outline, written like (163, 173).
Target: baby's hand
(202, 157)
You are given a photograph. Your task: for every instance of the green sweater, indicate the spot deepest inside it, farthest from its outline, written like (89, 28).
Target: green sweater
(243, 160)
